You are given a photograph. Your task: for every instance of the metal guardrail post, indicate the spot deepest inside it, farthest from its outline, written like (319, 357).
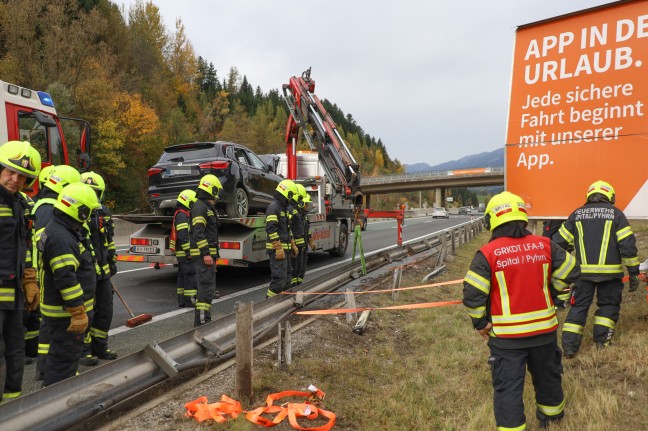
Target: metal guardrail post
(244, 350)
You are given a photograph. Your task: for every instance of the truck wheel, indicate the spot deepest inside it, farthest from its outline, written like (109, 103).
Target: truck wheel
(343, 242)
(239, 207)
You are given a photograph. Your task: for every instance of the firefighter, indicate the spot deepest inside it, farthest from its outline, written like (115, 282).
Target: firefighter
(604, 242)
(204, 230)
(19, 166)
(43, 176)
(69, 280)
(278, 237)
(59, 177)
(549, 229)
(101, 230)
(507, 294)
(31, 319)
(185, 249)
(298, 241)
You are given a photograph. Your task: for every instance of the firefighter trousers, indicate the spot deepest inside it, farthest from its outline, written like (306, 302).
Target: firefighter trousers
(278, 273)
(206, 280)
(186, 286)
(297, 263)
(103, 314)
(608, 301)
(31, 322)
(62, 360)
(302, 269)
(12, 353)
(508, 370)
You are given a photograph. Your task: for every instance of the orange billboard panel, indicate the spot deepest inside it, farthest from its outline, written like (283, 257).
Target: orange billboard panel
(578, 110)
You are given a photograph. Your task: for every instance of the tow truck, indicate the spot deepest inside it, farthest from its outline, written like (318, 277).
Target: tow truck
(329, 173)
(30, 115)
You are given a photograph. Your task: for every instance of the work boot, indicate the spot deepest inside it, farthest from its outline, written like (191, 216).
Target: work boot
(197, 321)
(181, 301)
(89, 361)
(216, 294)
(569, 354)
(189, 301)
(107, 354)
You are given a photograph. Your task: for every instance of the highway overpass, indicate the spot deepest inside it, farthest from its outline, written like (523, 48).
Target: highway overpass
(434, 180)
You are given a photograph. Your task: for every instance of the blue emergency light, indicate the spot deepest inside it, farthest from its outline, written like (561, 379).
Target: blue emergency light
(45, 99)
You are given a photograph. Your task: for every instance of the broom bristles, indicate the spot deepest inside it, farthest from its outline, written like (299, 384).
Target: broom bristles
(138, 320)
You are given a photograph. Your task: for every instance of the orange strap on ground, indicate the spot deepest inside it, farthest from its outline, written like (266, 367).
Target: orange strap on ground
(422, 286)
(392, 307)
(200, 410)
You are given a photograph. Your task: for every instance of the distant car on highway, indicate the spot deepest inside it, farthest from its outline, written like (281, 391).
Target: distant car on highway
(440, 212)
(464, 210)
(248, 182)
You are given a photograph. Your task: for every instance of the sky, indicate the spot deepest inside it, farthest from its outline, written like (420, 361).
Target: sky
(429, 78)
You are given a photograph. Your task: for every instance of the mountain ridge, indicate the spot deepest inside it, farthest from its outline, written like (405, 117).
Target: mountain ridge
(487, 159)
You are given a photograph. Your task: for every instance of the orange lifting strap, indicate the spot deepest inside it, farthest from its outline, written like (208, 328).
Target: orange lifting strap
(227, 408)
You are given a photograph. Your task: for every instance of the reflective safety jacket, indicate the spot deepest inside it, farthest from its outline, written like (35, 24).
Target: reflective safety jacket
(297, 225)
(204, 227)
(67, 267)
(603, 241)
(101, 234)
(14, 239)
(509, 284)
(181, 240)
(277, 227)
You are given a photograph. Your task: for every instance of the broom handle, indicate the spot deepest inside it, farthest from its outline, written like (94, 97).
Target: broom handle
(122, 300)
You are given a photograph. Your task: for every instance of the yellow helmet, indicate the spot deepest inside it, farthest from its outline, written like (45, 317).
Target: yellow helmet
(285, 188)
(503, 208)
(95, 181)
(208, 182)
(44, 175)
(187, 198)
(61, 176)
(21, 157)
(77, 200)
(301, 192)
(603, 188)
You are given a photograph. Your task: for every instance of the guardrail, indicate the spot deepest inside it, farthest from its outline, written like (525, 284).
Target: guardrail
(423, 176)
(75, 400)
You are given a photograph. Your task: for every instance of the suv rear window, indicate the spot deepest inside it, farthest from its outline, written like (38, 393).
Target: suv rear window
(183, 152)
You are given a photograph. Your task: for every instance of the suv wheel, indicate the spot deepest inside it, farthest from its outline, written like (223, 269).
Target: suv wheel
(239, 207)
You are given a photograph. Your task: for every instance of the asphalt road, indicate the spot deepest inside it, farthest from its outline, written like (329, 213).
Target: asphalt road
(153, 291)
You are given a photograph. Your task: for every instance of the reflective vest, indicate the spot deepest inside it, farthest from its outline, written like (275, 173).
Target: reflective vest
(520, 301)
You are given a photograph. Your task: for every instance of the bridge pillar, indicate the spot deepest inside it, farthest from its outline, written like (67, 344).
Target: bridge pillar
(438, 197)
(367, 199)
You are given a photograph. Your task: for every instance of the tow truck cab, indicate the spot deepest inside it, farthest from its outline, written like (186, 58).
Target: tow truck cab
(29, 115)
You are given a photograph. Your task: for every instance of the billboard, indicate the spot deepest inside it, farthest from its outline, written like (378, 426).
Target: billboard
(578, 110)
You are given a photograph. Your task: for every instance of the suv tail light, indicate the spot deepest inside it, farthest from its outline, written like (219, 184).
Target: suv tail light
(155, 171)
(215, 165)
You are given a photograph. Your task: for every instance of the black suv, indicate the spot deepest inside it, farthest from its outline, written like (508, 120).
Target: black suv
(248, 183)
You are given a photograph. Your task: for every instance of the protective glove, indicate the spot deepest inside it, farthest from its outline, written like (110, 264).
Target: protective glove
(113, 268)
(311, 243)
(633, 283)
(295, 249)
(31, 289)
(79, 320)
(279, 251)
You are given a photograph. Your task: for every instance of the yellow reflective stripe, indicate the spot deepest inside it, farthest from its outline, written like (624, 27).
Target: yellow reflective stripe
(274, 235)
(185, 246)
(53, 310)
(70, 293)
(6, 212)
(503, 290)
(7, 294)
(202, 243)
(89, 304)
(605, 242)
(197, 220)
(300, 241)
(520, 428)
(564, 296)
(478, 282)
(624, 233)
(43, 349)
(272, 217)
(552, 410)
(630, 261)
(190, 292)
(567, 235)
(558, 284)
(564, 269)
(31, 334)
(203, 306)
(64, 260)
(581, 243)
(476, 312)
(604, 269)
(572, 327)
(182, 226)
(194, 252)
(10, 395)
(180, 253)
(545, 284)
(270, 293)
(98, 333)
(604, 321)
(524, 317)
(527, 327)
(213, 250)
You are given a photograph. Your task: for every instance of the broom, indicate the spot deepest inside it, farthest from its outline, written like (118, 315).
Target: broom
(134, 320)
